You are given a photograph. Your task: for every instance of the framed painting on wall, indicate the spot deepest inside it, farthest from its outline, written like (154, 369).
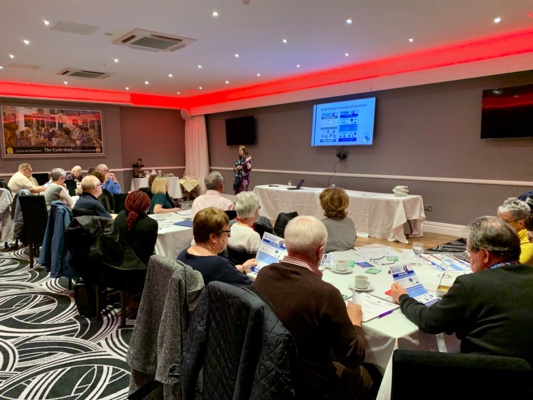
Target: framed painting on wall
(40, 131)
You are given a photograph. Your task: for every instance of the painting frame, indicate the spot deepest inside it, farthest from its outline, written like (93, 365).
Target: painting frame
(51, 131)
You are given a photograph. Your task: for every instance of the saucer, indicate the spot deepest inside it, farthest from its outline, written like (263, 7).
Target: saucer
(348, 271)
(368, 289)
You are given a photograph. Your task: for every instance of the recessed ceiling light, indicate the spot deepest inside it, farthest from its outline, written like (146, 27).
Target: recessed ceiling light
(258, 74)
(284, 40)
(348, 21)
(215, 14)
(201, 88)
(236, 55)
(65, 82)
(1, 67)
(146, 82)
(26, 42)
(497, 20)
(346, 54)
(46, 22)
(11, 56)
(178, 92)
(297, 65)
(127, 88)
(170, 75)
(411, 40)
(199, 67)
(227, 82)
(116, 60)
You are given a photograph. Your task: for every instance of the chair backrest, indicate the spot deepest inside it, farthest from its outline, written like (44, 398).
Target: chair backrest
(457, 375)
(71, 186)
(232, 214)
(3, 184)
(35, 217)
(281, 222)
(80, 212)
(106, 198)
(148, 191)
(118, 202)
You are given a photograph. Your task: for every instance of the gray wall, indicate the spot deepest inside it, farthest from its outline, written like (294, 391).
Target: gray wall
(423, 134)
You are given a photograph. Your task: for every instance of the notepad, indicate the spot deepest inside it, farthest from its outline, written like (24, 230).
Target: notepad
(186, 222)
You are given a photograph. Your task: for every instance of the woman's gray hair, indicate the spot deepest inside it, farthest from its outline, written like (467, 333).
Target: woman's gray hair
(246, 204)
(58, 173)
(304, 234)
(495, 235)
(517, 208)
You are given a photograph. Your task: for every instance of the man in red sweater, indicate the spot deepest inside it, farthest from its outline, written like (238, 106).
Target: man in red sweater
(328, 335)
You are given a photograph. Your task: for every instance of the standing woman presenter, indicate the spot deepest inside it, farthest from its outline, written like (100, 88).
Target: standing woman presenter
(242, 169)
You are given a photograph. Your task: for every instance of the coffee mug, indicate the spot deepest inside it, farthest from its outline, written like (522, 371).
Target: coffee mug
(341, 265)
(361, 282)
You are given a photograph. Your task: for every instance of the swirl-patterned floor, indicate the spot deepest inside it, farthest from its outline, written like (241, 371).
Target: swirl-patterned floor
(47, 350)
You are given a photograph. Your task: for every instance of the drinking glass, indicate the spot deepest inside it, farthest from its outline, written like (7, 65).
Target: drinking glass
(446, 260)
(418, 248)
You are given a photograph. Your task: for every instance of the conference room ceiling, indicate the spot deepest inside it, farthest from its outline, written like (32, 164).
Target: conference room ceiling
(319, 40)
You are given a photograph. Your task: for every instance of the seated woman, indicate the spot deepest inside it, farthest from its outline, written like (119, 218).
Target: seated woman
(160, 202)
(136, 227)
(517, 213)
(56, 190)
(341, 229)
(211, 231)
(244, 240)
(75, 174)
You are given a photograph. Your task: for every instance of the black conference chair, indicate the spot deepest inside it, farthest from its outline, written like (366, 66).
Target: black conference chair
(80, 212)
(418, 375)
(35, 219)
(232, 214)
(118, 202)
(71, 186)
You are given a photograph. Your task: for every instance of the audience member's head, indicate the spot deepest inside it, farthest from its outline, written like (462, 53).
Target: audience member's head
(151, 179)
(214, 181)
(334, 202)
(209, 221)
(514, 212)
(306, 237)
(247, 205)
(25, 169)
(76, 171)
(99, 175)
(490, 241)
(103, 169)
(91, 170)
(159, 185)
(136, 203)
(58, 174)
(92, 185)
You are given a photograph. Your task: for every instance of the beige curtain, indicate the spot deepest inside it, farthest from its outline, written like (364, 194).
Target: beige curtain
(196, 149)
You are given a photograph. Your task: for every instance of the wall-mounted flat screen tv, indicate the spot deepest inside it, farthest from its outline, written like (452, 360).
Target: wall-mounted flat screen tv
(345, 123)
(507, 113)
(240, 131)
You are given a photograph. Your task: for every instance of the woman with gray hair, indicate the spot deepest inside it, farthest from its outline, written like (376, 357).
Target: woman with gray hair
(516, 213)
(244, 240)
(57, 190)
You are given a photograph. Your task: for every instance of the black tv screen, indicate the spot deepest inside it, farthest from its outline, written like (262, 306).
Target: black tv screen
(507, 113)
(240, 131)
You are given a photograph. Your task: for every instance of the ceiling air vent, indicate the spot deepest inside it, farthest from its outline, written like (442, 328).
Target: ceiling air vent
(83, 73)
(152, 41)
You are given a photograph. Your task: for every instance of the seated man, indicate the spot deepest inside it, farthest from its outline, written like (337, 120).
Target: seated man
(328, 335)
(515, 213)
(214, 183)
(21, 180)
(490, 310)
(91, 189)
(111, 183)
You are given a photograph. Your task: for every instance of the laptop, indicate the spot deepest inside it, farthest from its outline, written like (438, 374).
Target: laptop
(298, 186)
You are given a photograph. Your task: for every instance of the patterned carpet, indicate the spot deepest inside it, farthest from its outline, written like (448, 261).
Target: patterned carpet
(457, 247)
(47, 350)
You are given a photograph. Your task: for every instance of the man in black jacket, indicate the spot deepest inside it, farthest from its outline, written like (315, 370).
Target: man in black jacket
(491, 310)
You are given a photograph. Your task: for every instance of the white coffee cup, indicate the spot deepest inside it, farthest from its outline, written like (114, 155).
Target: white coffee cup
(361, 282)
(341, 265)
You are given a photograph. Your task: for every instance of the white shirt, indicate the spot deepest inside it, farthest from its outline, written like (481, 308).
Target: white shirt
(211, 198)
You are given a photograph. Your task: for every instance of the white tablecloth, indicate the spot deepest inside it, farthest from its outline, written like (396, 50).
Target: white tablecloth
(379, 215)
(174, 188)
(171, 239)
(393, 331)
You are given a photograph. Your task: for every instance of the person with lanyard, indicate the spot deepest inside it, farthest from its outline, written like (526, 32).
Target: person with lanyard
(242, 169)
(491, 310)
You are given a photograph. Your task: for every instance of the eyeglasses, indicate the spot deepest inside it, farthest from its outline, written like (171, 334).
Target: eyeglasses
(530, 237)
(509, 222)
(99, 185)
(227, 232)
(466, 254)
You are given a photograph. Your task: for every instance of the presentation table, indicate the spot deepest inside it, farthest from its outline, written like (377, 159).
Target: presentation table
(393, 331)
(380, 215)
(174, 189)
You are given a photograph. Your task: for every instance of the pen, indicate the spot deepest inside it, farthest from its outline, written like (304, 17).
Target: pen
(385, 313)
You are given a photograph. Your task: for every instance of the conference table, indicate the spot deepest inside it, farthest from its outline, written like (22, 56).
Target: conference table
(172, 238)
(174, 188)
(392, 331)
(380, 215)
